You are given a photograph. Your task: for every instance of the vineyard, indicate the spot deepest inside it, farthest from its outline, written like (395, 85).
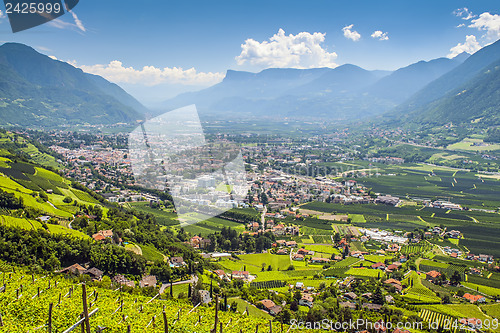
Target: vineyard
(54, 303)
(416, 248)
(268, 284)
(417, 292)
(441, 321)
(320, 239)
(448, 269)
(339, 268)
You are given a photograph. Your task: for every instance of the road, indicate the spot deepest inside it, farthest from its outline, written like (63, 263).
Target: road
(263, 218)
(193, 280)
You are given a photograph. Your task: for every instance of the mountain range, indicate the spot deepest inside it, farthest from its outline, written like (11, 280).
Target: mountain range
(345, 92)
(38, 90)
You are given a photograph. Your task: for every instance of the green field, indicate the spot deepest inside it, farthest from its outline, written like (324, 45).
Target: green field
(35, 224)
(253, 262)
(253, 311)
(151, 253)
(483, 289)
(365, 272)
(163, 217)
(473, 145)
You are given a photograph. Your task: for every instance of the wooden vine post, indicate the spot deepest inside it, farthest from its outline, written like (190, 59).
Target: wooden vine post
(165, 322)
(85, 309)
(214, 330)
(49, 322)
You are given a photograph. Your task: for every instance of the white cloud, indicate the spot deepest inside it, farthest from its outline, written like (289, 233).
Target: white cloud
(60, 24)
(2, 15)
(489, 23)
(464, 13)
(303, 50)
(150, 75)
(470, 46)
(52, 57)
(78, 22)
(351, 34)
(380, 35)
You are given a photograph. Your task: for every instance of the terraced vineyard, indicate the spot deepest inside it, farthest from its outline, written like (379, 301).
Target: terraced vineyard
(441, 321)
(417, 292)
(26, 300)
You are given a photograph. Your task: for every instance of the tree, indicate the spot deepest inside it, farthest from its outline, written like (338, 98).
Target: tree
(263, 198)
(294, 306)
(336, 237)
(297, 295)
(52, 263)
(455, 278)
(98, 212)
(234, 306)
(378, 297)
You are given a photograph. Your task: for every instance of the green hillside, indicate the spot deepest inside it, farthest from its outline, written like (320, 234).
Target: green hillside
(37, 90)
(475, 102)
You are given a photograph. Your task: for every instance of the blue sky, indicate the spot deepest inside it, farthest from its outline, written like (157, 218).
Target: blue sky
(185, 45)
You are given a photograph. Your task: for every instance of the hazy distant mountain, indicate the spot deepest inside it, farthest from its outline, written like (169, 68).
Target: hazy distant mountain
(37, 90)
(406, 81)
(345, 92)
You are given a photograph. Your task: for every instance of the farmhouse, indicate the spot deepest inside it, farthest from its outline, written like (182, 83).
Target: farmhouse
(348, 305)
(94, 273)
(378, 265)
(304, 252)
(351, 295)
(205, 296)
(387, 200)
(221, 274)
(282, 252)
(319, 260)
(240, 275)
(395, 283)
(298, 257)
(270, 306)
(306, 300)
(372, 307)
(475, 271)
(75, 269)
(474, 298)
(177, 261)
(102, 235)
(195, 241)
(389, 299)
(392, 268)
(122, 280)
(432, 275)
(148, 281)
(367, 295)
(471, 322)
